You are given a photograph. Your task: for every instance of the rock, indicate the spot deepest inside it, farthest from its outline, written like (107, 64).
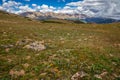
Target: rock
(97, 76)
(37, 46)
(9, 60)
(7, 49)
(103, 74)
(79, 39)
(117, 44)
(116, 76)
(114, 63)
(111, 55)
(90, 37)
(68, 34)
(85, 39)
(82, 34)
(43, 74)
(14, 73)
(23, 42)
(61, 38)
(28, 57)
(7, 46)
(26, 65)
(78, 75)
(37, 54)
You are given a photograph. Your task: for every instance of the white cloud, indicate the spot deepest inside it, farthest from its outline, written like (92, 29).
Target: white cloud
(17, 7)
(10, 6)
(26, 8)
(51, 7)
(98, 8)
(67, 7)
(44, 6)
(37, 8)
(64, 11)
(79, 3)
(34, 5)
(46, 10)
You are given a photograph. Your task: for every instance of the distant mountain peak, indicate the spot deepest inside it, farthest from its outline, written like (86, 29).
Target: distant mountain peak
(52, 15)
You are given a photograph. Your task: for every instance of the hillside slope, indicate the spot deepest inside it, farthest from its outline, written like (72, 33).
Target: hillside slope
(37, 50)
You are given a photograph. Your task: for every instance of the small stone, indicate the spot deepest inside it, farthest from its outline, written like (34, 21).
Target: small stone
(97, 76)
(62, 42)
(7, 46)
(111, 55)
(9, 60)
(21, 73)
(85, 39)
(79, 39)
(68, 34)
(37, 46)
(26, 65)
(4, 32)
(82, 34)
(7, 49)
(90, 37)
(43, 74)
(55, 70)
(115, 75)
(28, 57)
(61, 38)
(14, 73)
(78, 75)
(37, 54)
(114, 63)
(117, 44)
(103, 74)
(11, 73)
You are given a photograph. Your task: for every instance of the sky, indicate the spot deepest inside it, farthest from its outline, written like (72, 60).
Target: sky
(92, 8)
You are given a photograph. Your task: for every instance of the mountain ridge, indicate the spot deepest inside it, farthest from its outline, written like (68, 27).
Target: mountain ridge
(74, 17)
(51, 15)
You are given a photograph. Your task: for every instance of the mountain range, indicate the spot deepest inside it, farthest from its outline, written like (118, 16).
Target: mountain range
(73, 17)
(51, 15)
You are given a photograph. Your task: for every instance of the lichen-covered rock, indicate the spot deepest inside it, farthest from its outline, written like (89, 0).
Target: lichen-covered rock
(37, 46)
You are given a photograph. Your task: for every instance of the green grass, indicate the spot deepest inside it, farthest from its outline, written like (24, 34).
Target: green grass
(71, 47)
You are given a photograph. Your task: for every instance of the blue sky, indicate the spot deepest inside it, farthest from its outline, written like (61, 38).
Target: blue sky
(91, 8)
(55, 3)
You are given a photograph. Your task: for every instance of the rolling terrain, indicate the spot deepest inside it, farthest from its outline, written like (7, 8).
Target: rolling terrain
(90, 50)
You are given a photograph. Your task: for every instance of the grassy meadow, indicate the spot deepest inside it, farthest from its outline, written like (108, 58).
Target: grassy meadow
(70, 48)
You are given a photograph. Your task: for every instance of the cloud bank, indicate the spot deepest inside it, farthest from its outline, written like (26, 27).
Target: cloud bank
(92, 8)
(98, 8)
